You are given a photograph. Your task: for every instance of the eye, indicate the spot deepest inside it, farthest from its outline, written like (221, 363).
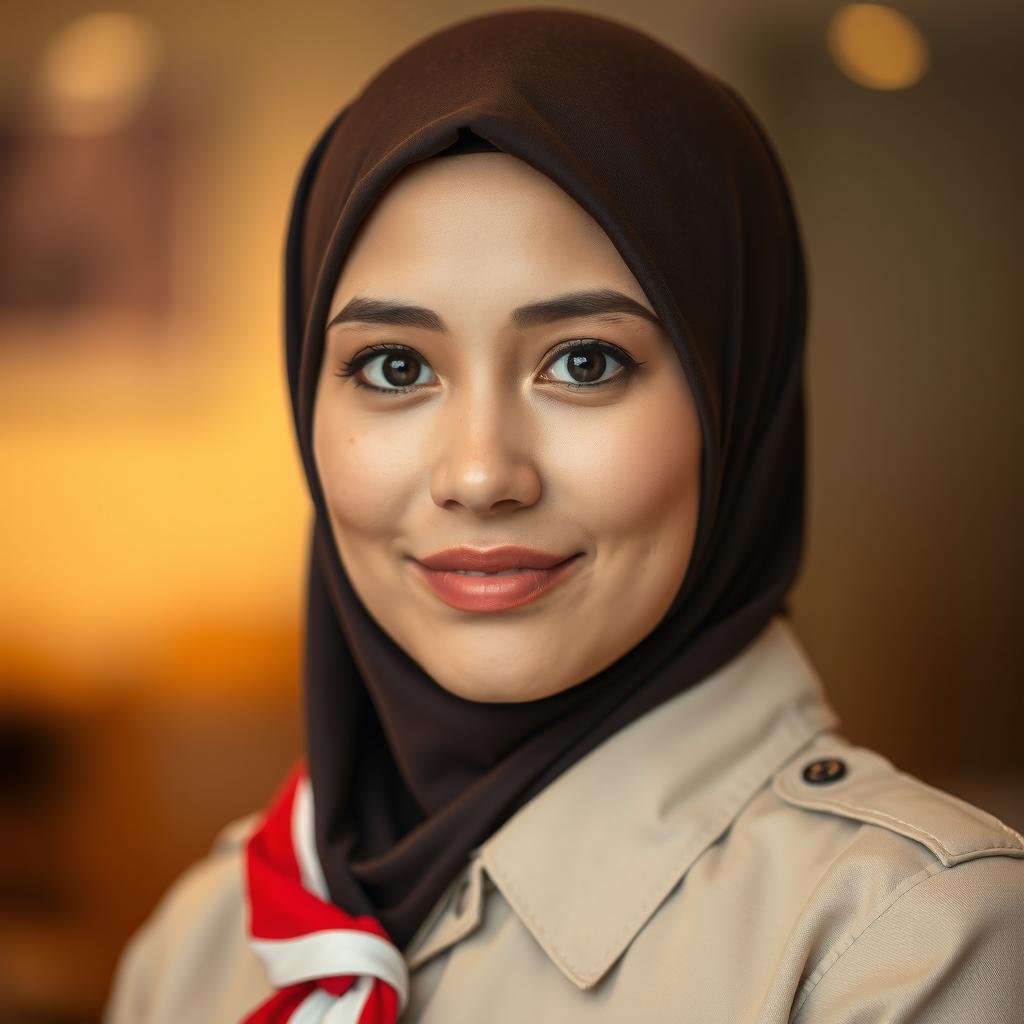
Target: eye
(587, 364)
(388, 368)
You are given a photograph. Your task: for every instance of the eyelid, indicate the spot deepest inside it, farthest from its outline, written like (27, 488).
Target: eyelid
(364, 355)
(572, 344)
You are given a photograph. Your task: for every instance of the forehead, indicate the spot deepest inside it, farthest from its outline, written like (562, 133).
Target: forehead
(487, 221)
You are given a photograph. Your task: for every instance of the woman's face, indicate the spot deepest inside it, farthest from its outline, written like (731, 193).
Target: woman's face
(503, 409)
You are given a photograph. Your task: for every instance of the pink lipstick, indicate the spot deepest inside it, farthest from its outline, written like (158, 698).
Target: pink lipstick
(493, 580)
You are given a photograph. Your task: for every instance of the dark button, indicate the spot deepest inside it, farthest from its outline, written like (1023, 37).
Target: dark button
(828, 769)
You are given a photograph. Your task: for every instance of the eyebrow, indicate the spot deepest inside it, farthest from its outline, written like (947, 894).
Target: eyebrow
(604, 302)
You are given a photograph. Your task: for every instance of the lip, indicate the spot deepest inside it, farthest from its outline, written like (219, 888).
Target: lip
(541, 570)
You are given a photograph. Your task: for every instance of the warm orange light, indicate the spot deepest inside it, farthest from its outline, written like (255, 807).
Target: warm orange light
(98, 71)
(877, 46)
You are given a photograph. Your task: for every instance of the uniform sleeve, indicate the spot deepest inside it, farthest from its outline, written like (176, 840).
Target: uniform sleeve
(949, 950)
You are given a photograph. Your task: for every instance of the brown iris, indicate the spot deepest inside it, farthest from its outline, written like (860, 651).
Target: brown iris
(401, 370)
(586, 365)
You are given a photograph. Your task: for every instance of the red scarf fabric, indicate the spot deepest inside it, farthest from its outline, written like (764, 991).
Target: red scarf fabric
(325, 964)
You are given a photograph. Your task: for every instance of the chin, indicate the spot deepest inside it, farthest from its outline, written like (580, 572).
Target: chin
(498, 687)
(488, 691)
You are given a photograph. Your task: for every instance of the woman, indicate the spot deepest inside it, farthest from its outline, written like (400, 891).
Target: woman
(566, 758)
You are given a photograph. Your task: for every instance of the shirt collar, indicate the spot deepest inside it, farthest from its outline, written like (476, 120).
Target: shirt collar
(658, 793)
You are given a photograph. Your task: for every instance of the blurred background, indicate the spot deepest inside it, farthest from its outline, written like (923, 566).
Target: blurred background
(154, 518)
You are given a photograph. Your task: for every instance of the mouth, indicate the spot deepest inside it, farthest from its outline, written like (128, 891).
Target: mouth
(500, 579)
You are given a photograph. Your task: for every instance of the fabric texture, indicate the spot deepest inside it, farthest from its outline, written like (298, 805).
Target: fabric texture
(711, 884)
(672, 164)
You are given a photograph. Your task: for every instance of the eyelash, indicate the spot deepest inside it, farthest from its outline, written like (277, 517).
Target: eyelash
(351, 367)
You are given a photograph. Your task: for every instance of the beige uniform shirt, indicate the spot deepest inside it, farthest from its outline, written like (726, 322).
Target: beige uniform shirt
(728, 857)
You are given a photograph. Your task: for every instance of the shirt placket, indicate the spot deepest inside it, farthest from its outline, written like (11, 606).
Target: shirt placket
(460, 913)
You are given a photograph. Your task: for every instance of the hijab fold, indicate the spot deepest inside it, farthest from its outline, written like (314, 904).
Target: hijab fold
(408, 778)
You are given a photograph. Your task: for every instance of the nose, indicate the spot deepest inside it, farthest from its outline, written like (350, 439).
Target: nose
(485, 456)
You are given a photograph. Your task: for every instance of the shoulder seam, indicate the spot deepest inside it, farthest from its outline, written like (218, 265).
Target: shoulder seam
(842, 947)
(851, 939)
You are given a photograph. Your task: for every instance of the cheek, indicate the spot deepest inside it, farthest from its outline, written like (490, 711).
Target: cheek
(368, 471)
(634, 471)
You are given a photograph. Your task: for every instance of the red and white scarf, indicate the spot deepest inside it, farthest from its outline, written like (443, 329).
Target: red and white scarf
(325, 964)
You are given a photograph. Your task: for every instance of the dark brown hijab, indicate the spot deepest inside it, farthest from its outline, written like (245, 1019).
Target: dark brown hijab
(408, 778)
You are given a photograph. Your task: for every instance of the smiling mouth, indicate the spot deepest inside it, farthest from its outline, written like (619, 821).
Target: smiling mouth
(473, 590)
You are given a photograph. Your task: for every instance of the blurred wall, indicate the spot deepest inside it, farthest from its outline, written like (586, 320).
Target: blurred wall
(154, 520)
(911, 600)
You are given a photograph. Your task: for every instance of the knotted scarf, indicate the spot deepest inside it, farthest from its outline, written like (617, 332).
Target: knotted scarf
(326, 964)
